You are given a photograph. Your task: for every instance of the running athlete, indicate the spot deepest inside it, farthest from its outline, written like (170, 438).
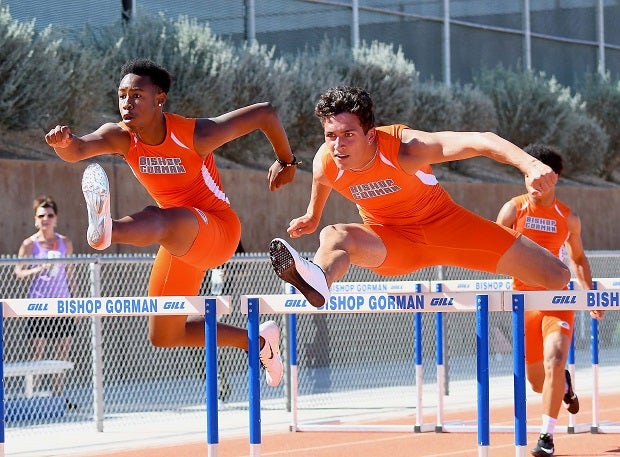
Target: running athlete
(193, 221)
(549, 222)
(408, 220)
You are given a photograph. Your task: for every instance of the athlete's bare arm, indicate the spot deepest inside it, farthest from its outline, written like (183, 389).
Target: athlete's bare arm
(507, 214)
(423, 148)
(577, 255)
(211, 133)
(309, 222)
(110, 138)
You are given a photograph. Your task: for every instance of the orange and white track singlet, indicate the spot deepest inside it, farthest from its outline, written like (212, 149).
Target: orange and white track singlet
(416, 219)
(547, 226)
(175, 175)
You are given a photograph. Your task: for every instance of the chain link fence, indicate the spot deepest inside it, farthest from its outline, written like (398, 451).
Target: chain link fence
(140, 384)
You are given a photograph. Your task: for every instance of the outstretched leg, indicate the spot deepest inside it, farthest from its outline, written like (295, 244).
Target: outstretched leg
(533, 265)
(340, 246)
(153, 225)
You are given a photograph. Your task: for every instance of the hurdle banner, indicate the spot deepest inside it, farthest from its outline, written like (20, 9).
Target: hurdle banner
(110, 306)
(365, 287)
(209, 307)
(430, 302)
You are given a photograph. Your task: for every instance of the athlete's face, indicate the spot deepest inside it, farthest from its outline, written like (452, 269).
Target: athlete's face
(346, 141)
(139, 101)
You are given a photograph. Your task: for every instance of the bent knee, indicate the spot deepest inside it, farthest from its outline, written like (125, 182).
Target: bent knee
(536, 386)
(162, 332)
(162, 340)
(334, 234)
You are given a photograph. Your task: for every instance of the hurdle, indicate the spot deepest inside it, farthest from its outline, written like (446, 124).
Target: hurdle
(572, 300)
(452, 286)
(366, 287)
(208, 307)
(611, 285)
(380, 302)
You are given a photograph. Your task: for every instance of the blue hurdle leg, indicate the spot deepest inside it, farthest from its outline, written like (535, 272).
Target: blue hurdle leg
(211, 375)
(254, 376)
(482, 368)
(518, 345)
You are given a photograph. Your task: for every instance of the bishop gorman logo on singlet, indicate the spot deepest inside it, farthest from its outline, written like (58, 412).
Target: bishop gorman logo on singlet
(541, 224)
(373, 189)
(161, 165)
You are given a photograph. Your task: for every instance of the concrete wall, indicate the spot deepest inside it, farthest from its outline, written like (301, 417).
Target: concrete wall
(264, 214)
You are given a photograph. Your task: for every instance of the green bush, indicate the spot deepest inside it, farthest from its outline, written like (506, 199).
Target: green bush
(309, 77)
(42, 79)
(437, 107)
(602, 101)
(212, 76)
(533, 108)
(388, 76)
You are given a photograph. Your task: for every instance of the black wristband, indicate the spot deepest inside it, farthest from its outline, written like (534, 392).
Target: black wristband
(292, 163)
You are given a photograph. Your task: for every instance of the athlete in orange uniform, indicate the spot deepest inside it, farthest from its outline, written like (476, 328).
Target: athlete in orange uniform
(193, 222)
(549, 222)
(409, 221)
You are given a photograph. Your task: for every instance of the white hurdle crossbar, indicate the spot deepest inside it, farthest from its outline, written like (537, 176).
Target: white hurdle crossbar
(380, 302)
(209, 307)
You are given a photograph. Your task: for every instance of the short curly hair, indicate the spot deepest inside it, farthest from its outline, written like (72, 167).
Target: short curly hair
(145, 67)
(548, 155)
(347, 99)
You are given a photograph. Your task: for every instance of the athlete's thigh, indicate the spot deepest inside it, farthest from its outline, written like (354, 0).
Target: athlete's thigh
(402, 248)
(464, 239)
(558, 322)
(364, 247)
(534, 339)
(172, 276)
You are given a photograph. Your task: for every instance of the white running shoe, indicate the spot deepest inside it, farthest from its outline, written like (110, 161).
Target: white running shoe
(96, 189)
(270, 353)
(307, 277)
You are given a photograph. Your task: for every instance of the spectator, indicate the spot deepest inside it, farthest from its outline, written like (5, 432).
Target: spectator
(49, 280)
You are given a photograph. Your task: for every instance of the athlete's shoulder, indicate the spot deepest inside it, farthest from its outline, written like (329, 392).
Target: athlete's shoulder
(562, 206)
(394, 130)
(520, 201)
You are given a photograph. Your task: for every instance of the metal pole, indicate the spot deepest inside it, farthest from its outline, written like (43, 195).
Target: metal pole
(527, 35)
(447, 63)
(600, 23)
(355, 25)
(97, 349)
(128, 9)
(250, 21)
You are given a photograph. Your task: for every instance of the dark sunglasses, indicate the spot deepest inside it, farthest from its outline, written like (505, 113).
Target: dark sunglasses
(49, 216)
